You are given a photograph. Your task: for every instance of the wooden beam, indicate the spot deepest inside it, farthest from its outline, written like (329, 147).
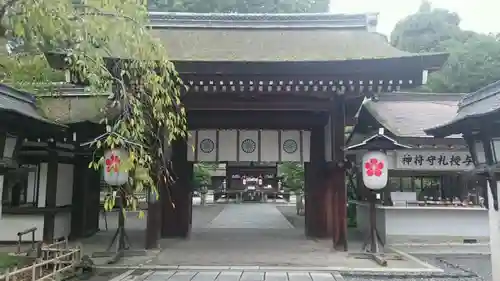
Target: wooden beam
(254, 120)
(304, 68)
(280, 103)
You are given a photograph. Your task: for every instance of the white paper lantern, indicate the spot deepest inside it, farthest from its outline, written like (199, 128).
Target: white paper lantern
(375, 171)
(113, 172)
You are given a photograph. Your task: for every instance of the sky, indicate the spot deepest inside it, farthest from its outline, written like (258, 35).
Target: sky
(477, 15)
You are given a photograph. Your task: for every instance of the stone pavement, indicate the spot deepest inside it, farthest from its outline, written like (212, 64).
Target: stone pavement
(255, 235)
(236, 275)
(247, 215)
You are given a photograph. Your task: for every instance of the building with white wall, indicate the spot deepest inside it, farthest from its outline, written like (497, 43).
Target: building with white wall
(44, 175)
(430, 196)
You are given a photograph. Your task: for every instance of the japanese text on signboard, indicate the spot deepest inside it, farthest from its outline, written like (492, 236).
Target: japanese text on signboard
(434, 160)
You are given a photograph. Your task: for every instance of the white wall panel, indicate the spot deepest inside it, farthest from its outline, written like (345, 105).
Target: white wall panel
(269, 140)
(206, 147)
(248, 146)
(290, 146)
(64, 195)
(306, 145)
(228, 145)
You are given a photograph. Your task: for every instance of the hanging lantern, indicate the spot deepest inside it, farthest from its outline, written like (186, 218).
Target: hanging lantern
(113, 160)
(375, 171)
(260, 181)
(244, 180)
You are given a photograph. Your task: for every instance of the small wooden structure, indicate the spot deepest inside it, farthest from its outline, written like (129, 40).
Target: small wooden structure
(430, 194)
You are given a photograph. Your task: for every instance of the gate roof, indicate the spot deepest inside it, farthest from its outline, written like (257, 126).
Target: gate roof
(306, 55)
(271, 38)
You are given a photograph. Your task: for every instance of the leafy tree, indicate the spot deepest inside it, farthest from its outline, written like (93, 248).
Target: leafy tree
(474, 58)
(146, 89)
(425, 30)
(240, 6)
(202, 174)
(293, 176)
(18, 69)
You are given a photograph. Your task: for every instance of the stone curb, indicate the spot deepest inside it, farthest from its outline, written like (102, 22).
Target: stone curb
(339, 273)
(354, 271)
(403, 275)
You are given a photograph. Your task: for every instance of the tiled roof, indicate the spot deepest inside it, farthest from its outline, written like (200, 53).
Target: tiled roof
(261, 37)
(409, 114)
(21, 103)
(484, 101)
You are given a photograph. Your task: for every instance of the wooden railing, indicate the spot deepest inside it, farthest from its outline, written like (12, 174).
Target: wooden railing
(20, 238)
(56, 260)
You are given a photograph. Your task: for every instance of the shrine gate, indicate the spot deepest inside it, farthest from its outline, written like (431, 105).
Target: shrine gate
(278, 87)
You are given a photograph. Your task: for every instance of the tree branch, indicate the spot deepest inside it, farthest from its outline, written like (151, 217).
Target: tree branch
(4, 7)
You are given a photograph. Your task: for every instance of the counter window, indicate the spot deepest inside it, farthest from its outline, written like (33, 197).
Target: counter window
(20, 187)
(414, 184)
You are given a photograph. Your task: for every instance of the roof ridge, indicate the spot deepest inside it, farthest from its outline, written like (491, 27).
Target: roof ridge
(367, 21)
(17, 94)
(484, 92)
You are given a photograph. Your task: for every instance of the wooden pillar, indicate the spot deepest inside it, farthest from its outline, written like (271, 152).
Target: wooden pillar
(50, 195)
(167, 213)
(80, 196)
(337, 175)
(154, 224)
(177, 201)
(93, 201)
(315, 211)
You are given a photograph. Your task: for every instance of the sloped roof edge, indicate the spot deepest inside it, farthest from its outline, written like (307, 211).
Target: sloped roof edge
(480, 103)
(22, 103)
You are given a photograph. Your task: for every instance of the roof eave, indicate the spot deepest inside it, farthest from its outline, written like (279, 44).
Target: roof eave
(455, 126)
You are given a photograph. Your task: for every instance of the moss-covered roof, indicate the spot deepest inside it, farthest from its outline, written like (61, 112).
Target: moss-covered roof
(68, 110)
(315, 37)
(22, 104)
(274, 45)
(72, 104)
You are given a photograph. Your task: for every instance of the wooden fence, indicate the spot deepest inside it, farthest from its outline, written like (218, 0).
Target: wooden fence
(55, 260)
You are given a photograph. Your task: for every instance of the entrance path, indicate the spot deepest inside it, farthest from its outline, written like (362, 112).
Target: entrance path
(248, 237)
(257, 235)
(257, 216)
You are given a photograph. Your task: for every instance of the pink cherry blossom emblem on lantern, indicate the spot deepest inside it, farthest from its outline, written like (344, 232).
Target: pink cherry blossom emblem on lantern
(113, 163)
(374, 167)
